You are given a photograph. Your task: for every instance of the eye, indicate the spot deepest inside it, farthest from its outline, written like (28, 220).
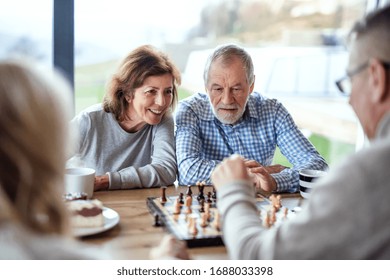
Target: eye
(151, 92)
(217, 90)
(169, 91)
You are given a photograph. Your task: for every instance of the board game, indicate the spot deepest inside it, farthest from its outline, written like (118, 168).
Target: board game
(194, 217)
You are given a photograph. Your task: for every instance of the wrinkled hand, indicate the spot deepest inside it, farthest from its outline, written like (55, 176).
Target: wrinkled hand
(101, 183)
(270, 169)
(170, 248)
(263, 179)
(230, 169)
(261, 174)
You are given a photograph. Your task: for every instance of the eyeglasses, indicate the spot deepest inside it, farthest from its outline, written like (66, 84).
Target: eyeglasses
(345, 84)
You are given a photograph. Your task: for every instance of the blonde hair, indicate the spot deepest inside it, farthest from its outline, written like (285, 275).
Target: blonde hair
(34, 113)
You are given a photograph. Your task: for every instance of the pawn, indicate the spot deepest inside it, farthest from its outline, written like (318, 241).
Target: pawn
(181, 201)
(203, 222)
(266, 221)
(188, 204)
(201, 203)
(285, 213)
(189, 191)
(216, 222)
(194, 228)
(209, 197)
(201, 191)
(214, 196)
(207, 211)
(177, 207)
(163, 198)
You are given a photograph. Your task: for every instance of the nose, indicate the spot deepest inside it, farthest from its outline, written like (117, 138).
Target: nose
(227, 97)
(160, 99)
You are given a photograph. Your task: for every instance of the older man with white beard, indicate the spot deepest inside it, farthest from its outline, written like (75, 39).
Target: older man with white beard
(232, 119)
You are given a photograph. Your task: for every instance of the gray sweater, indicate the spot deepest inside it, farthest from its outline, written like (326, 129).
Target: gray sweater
(346, 217)
(145, 158)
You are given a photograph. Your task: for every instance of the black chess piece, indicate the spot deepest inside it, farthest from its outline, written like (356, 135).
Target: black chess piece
(214, 196)
(201, 194)
(201, 203)
(181, 200)
(189, 191)
(163, 198)
(156, 220)
(209, 197)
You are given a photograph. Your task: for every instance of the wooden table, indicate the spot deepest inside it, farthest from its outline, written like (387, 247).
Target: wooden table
(135, 234)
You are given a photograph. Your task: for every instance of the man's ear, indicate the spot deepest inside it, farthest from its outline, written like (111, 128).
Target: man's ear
(253, 84)
(377, 80)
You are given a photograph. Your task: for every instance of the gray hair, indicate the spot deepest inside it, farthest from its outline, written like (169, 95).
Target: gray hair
(374, 30)
(226, 52)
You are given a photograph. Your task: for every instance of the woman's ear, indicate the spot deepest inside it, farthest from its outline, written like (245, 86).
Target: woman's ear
(377, 80)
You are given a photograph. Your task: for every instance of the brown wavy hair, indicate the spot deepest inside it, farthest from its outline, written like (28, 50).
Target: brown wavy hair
(141, 63)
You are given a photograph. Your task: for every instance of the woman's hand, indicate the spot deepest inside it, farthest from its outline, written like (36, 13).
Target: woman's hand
(101, 183)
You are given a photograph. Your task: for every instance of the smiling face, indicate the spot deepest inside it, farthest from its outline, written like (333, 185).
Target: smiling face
(228, 89)
(150, 102)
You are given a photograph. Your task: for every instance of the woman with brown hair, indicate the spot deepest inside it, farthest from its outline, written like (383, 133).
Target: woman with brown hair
(129, 139)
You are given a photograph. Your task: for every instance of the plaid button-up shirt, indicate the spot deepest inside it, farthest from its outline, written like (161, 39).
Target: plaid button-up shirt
(202, 141)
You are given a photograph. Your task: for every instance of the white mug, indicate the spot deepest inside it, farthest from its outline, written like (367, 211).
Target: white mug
(80, 179)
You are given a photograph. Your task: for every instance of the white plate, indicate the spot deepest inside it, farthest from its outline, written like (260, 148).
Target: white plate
(111, 219)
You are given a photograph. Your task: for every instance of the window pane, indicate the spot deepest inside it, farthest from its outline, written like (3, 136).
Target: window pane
(26, 29)
(297, 48)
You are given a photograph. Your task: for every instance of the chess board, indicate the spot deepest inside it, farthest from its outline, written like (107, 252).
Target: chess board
(210, 235)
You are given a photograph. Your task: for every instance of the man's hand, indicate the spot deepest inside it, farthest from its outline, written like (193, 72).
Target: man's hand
(261, 174)
(270, 169)
(263, 179)
(229, 170)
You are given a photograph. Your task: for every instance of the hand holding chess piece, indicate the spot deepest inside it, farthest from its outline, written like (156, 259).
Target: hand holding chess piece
(170, 248)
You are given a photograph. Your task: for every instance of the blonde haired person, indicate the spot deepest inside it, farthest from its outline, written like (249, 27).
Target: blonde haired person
(129, 139)
(34, 112)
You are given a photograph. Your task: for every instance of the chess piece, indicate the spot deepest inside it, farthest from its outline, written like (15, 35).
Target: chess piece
(181, 201)
(266, 221)
(203, 222)
(201, 203)
(216, 222)
(177, 207)
(163, 198)
(207, 211)
(214, 196)
(209, 197)
(201, 190)
(189, 191)
(285, 212)
(188, 204)
(194, 228)
(156, 220)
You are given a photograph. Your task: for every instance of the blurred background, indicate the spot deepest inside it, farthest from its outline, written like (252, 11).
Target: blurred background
(298, 49)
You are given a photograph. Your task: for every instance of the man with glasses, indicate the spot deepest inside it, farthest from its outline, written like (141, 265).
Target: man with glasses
(348, 213)
(231, 119)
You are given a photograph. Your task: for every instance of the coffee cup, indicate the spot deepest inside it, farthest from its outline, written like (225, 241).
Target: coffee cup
(307, 179)
(80, 180)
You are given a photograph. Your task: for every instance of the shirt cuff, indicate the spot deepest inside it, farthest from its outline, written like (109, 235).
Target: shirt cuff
(114, 181)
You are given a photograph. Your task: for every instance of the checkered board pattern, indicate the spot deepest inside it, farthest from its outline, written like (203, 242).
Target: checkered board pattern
(177, 224)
